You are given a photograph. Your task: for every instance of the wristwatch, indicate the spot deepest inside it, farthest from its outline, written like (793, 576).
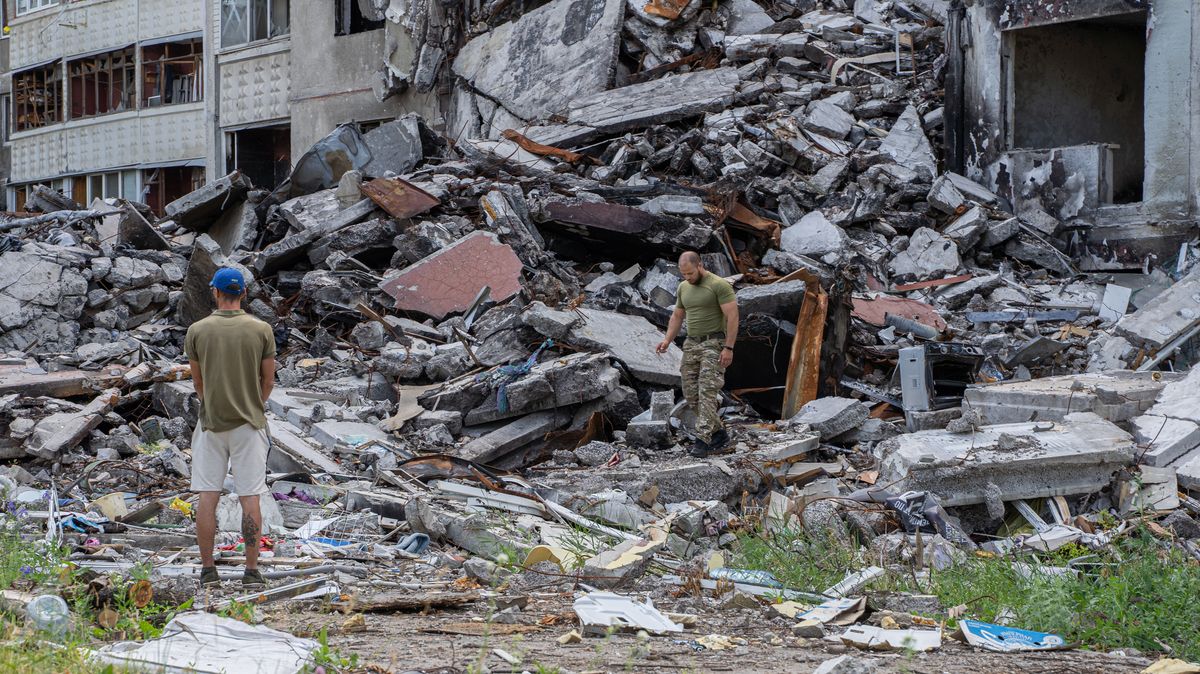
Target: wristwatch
(727, 347)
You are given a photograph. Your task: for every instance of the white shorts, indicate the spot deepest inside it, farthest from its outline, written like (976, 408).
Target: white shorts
(244, 449)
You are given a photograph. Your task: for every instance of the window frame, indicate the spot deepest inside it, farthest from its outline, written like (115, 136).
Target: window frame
(109, 65)
(255, 11)
(55, 104)
(155, 67)
(30, 6)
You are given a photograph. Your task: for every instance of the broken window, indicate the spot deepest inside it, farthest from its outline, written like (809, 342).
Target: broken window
(172, 73)
(357, 16)
(263, 154)
(27, 6)
(1082, 82)
(102, 84)
(163, 185)
(244, 21)
(111, 185)
(37, 97)
(5, 129)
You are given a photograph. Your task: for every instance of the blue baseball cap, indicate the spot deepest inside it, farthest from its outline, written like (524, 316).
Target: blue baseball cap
(228, 280)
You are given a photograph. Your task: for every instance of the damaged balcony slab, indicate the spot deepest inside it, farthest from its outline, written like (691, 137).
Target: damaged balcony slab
(512, 436)
(449, 280)
(1173, 312)
(1117, 396)
(134, 231)
(1171, 428)
(660, 101)
(197, 210)
(569, 380)
(1077, 455)
(550, 57)
(631, 340)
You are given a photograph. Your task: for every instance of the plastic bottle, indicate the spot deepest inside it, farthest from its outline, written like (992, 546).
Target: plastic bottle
(48, 612)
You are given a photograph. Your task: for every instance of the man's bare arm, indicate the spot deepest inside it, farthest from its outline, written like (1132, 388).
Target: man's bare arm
(730, 309)
(197, 378)
(267, 378)
(673, 326)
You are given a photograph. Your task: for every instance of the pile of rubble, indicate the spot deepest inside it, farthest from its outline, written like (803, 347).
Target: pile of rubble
(466, 320)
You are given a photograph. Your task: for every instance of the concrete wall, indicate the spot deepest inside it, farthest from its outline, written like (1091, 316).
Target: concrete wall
(1079, 83)
(1171, 188)
(332, 77)
(124, 139)
(95, 25)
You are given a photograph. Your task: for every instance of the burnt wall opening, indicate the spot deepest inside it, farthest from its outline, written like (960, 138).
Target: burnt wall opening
(1083, 82)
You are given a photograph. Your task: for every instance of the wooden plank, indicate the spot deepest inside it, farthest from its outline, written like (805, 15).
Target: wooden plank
(410, 602)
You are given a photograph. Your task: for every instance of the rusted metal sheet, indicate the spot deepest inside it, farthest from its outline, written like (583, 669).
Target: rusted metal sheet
(804, 368)
(611, 217)
(448, 281)
(546, 150)
(668, 9)
(934, 283)
(874, 311)
(765, 226)
(701, 60)
(400, 198)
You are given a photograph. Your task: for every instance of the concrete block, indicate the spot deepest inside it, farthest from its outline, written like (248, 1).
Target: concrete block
(1173, 312)
(1075, 456)
(1115, 396)
(967, 228)
(907, 145)
(197, 301)
(929, 255)
(621, 564)
(781, 300)
(452, 420)
(831, 416)
(198, 209)
(813, 235)
(631, 340)
(513, 436)
(329, 433)
(661, 404)
(642, 431)
(549, 322)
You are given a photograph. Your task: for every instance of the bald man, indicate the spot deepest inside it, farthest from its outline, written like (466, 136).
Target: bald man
(710, 307)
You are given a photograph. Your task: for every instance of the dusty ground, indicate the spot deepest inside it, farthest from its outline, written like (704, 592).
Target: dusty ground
(405, 642)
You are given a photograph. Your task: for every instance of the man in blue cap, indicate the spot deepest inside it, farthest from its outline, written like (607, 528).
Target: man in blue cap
(232, 356)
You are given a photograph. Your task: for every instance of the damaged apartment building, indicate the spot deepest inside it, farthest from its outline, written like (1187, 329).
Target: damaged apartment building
(1084, 110)
(148, 100)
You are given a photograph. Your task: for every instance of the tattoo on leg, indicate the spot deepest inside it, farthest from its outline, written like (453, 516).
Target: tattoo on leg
(250, 530)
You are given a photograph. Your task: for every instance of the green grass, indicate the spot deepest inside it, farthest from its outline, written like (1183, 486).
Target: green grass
(1142, 594)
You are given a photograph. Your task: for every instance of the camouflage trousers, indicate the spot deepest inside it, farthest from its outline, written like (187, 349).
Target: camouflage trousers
(703, 377)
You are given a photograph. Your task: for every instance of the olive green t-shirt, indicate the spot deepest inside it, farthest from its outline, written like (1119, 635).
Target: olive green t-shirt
(230, 347)
(702, 303)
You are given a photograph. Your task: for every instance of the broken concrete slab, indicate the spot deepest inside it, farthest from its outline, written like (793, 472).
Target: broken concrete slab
(134, 231)
(512, 436)
(746, 17)
(631, 340)
(660, 101)
(813, 235)
(236, 228)
(1116, 396)
(64, 430)
(1164, 439)
(565, 381)
(546, 60)
(831, 416)
(646, 431)
(623, 563)
(907, 145)
(197, 301)
(333, 433)
(966, 229)
(929, 255)
(1174, 312)
(742, 48)
(944, 196)
(782, 300)
(197, 210)
(395, 147)
(1077, 455)
(449, 280)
